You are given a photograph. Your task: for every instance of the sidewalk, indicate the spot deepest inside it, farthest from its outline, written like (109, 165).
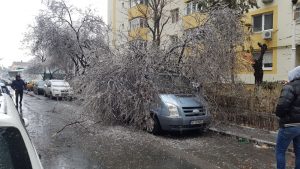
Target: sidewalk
(258, 136)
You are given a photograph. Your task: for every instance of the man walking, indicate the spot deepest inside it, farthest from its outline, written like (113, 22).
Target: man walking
(288, 112)
(18, 85)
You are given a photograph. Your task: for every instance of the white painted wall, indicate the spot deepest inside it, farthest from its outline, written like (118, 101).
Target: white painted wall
(174, 28)
(122, 23)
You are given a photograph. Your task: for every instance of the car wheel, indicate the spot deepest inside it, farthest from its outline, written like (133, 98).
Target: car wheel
(155, 129)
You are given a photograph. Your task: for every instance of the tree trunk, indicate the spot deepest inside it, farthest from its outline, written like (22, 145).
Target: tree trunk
(258, 65)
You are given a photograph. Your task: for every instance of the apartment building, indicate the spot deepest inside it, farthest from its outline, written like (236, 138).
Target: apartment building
(127, 22)
(275, 23)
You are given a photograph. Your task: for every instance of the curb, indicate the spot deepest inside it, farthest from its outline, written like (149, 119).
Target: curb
(251, 139)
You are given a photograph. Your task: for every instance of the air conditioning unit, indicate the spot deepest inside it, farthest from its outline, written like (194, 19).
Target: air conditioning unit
(267, 1)
(267, 34)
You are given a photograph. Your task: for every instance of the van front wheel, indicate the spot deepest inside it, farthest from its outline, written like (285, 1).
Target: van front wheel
(155, 128)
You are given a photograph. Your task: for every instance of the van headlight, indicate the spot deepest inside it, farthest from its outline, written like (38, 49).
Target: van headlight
(173, 110)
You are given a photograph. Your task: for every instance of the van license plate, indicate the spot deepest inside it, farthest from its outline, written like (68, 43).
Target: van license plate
(196, 122)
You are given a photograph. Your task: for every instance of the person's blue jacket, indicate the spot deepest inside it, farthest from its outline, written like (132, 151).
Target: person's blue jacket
(18, 85)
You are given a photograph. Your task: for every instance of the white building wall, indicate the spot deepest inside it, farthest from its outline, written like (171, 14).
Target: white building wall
(285, 15)
(174, 28)
(122, 27)
(118, 21)
(122, 23)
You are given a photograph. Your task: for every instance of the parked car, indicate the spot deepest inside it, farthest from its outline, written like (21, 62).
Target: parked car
(38, 87)
(3, 81)
(16, 148)
(4, 89)
(179, 111)
(29, 85)
(58, 89)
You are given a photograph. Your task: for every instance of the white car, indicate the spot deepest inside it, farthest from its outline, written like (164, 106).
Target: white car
(16, 148)
(4, 89)
(58, 88)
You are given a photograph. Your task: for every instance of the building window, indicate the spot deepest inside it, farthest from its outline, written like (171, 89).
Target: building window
(189, 32)
(133, 3)
(174, 39)
(195, 33)
(297, 14)
(138, 23)
(194, 6)
(138, 44)
(267, 60)
(262, 22)
(175, 15)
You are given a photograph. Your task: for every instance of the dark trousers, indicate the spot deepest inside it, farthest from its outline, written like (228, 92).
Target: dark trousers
(19, 93)
(285, 137)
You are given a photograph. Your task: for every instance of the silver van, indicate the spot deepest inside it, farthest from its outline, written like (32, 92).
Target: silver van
(179, 111)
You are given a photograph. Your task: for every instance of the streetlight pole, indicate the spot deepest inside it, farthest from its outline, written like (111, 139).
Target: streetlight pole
(294, 2)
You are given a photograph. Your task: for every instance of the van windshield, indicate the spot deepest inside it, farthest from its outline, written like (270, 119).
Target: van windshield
(13, 152)
(173, 84)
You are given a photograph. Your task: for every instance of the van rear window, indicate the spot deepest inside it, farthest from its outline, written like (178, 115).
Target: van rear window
(13, 152)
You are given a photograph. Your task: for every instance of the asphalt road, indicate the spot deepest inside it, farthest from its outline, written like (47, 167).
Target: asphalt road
(116, 147)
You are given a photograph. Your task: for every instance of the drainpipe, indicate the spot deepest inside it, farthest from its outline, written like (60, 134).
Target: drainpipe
(294, 2)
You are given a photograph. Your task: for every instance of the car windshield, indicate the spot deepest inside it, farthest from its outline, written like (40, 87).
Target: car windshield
(41, 83)
(173, 84)
(13, 152)
(60, 84)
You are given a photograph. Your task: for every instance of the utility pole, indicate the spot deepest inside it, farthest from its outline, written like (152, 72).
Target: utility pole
(294, 2)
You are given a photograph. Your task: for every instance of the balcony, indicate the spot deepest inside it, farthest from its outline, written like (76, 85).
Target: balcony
(140, 10)
(138, 33)
(193, 20)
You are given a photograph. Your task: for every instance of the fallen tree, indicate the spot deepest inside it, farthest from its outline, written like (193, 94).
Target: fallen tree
(122, 85)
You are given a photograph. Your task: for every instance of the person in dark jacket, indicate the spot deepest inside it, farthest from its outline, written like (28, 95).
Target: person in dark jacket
(288, 112)
(18, 85)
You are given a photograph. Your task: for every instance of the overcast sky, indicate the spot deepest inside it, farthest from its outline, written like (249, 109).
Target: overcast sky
(16, 15)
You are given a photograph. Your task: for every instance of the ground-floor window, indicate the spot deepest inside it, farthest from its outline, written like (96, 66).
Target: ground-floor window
(267, 60)
(138, 44)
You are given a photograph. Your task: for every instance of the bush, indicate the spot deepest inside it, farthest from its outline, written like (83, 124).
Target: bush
(245, 104)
